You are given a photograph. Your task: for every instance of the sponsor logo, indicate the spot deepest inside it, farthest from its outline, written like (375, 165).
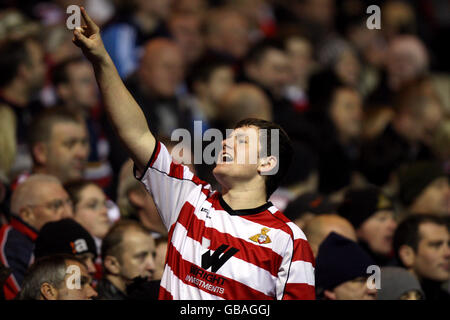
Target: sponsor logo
(261, 238)
(218, 258)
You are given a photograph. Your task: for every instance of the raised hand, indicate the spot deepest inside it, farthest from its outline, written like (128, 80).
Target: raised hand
(89, 40)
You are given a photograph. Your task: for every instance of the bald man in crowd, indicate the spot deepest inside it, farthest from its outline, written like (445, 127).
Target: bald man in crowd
(154, 86)
(38, 200)
(244, 100)
(322, 225)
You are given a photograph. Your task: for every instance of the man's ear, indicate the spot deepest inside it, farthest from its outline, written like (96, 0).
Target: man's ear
(40, 151)
(407, 255)
(267, 164)
(112, 265)
(330, 295)
(48, 292)
(27, 215)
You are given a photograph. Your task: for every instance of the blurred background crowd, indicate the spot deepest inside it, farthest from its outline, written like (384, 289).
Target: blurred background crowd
(368, 113)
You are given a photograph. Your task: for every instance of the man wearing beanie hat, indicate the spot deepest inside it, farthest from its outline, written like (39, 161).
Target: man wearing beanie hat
(372, 215)
(424, 188)
(342, 270)
(66, 236)
(399, 284)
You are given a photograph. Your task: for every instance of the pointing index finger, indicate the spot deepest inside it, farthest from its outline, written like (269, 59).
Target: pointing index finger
(90, 23)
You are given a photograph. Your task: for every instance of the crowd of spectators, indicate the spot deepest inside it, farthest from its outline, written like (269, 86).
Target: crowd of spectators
(367, 110)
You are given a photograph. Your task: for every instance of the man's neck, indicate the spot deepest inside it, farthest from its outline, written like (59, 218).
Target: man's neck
(244, 198)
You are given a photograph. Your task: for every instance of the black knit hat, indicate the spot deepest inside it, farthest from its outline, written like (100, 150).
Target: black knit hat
(339, 260)
(359, 204)
(310, 202)
(64, 236)
(414, 178)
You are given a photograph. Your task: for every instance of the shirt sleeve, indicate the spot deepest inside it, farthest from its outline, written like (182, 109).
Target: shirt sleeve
(296, 275)
(170, 184)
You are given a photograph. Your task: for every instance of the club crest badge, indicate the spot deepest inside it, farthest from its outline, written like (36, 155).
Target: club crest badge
(261, 238)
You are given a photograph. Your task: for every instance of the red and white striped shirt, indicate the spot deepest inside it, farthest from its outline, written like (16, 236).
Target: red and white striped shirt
(215, 252)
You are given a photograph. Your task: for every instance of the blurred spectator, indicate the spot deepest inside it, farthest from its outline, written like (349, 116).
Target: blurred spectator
(136, 203)
(48, 279)
(302, 178)
(406, 61)
(66, 236)
(127, 252)
(22, 71)
(399, 284)
(341, 59)
(341, 270)
(125, 35)
(209, 80)
(76, 90)
(319, 227)
(424, 188)
(267, 65)
(155, 84)
(90, 208)
(300, 53)
(306, 207)
(59, 144)
(422, 245)
(38, 200)
(407, 138)
(227, 33)
(186, 30)
(372, 215)
(336, 116)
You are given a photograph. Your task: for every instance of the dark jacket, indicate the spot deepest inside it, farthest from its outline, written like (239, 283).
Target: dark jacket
(17, 246)
(107, 291)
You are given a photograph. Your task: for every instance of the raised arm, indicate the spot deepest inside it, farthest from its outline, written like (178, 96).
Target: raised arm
(124, 113)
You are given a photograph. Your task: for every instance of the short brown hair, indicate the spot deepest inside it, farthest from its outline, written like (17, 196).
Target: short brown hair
(40, 129)
(112, 243)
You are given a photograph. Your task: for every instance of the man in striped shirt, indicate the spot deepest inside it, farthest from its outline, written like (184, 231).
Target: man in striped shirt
(229, 245)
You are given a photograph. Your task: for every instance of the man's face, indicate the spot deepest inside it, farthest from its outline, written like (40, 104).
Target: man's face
(81, 89)
(239, 158)
(346, 113)
(273, 71)
(434, 199)
(356, 289)
(85, 292)
(432, 259)
(162, 70)
(52, 204)
(138, 255)
(378, 231)
(67, 151)
(91, 211)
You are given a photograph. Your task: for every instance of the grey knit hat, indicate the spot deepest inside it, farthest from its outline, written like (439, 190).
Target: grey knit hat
(395, 282)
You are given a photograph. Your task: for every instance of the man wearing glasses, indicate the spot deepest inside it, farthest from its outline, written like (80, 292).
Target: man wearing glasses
(36, 201)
